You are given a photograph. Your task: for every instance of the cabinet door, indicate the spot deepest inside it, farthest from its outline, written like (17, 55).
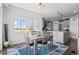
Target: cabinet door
(0, 29)
(58, 37)
(74, 27)
(56, 26)
(78, 46)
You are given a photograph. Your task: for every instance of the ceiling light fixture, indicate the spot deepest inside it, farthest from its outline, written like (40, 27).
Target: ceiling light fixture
(40, 6)
(60, 15)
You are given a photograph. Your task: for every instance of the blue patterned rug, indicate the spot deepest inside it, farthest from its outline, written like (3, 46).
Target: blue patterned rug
(40, 51)
(20, 49)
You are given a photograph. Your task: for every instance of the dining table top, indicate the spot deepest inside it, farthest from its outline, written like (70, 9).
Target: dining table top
(35, 37)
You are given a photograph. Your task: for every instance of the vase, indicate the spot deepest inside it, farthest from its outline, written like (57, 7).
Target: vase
(6, 44)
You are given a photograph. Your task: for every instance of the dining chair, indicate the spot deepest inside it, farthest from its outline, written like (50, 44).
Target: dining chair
(44, 42)
(28, 42)
(45, 39)
(26, 39)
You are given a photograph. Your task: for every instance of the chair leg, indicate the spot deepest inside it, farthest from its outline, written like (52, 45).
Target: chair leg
(42, 48)
(28, 49)
(47, 45)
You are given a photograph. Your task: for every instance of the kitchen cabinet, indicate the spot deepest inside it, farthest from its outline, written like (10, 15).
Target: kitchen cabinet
(74, 30)
(0, 27)
(61, 36)
(56, 26)
(74, 23)
(58, 36)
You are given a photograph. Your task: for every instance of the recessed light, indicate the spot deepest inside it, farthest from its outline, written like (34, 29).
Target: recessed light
(75, 11)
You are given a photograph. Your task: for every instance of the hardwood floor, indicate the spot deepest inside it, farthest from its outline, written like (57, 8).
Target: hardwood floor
(72, 43)
(73, 47)
(1, 52)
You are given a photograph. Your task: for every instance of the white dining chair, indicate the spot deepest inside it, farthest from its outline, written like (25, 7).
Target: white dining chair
(26, 38)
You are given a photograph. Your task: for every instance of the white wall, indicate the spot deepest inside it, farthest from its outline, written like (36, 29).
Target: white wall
(0, 28)
(8, 18)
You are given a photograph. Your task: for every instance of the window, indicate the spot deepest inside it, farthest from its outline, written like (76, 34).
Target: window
(23, 24)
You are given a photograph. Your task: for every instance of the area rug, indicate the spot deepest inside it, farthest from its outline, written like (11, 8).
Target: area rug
(22, 50)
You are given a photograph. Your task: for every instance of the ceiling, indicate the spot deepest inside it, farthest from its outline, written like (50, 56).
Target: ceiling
(49, 12)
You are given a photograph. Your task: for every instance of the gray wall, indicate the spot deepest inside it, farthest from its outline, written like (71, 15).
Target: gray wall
(8, 18)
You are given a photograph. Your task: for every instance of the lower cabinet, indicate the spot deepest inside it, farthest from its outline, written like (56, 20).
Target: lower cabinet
(58, 37)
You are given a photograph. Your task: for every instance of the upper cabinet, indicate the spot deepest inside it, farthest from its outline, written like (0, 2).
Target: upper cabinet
(65, 25)
(61, 25)
(56, 26)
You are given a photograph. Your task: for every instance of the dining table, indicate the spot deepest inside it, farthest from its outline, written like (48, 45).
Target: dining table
(35, 39)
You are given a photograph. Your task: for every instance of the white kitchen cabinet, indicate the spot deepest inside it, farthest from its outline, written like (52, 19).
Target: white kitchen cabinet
(61, 36)
(58, 36)
(74, 23)
(56, 26)
(74, 29)
(0, 27)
